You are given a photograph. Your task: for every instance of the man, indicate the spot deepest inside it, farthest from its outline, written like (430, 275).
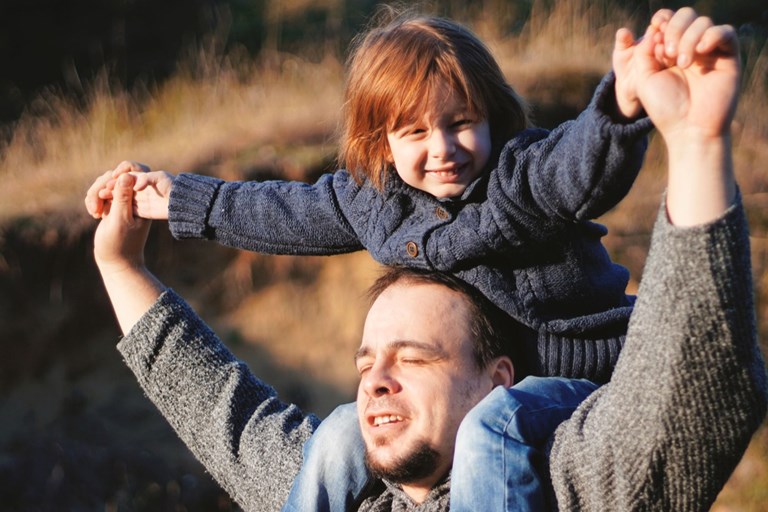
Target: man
(664, 434)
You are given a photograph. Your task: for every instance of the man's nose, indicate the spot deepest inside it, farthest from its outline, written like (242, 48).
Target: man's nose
(442, 143)
(379, 380)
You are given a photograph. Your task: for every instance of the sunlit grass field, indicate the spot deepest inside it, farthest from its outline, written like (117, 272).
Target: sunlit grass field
(239, 117)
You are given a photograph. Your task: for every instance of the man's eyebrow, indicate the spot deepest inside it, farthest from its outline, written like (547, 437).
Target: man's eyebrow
(432, 349)
(361, 353)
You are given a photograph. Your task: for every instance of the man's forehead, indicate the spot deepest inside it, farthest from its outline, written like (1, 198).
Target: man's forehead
(426, 313)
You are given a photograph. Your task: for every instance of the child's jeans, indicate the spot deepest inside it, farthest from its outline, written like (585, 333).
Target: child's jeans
(333, 473)
(499, 462)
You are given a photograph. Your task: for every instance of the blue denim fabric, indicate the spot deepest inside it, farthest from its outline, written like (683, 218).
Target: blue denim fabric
(333, 473)
(500, 461)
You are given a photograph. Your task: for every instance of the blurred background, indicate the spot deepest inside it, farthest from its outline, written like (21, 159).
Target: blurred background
(248, 89)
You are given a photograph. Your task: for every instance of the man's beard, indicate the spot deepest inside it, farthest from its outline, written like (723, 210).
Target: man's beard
(413, 466)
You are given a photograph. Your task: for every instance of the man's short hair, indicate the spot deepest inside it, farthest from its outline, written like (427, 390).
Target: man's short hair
(494, 332)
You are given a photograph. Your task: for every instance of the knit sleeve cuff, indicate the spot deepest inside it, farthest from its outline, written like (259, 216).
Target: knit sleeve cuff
(604, 106)
(731, 226)
(191, 201)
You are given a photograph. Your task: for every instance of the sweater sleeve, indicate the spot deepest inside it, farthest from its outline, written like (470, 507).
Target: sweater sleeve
(547, 181)
(248, 440)
(689, 388)
(272, 217)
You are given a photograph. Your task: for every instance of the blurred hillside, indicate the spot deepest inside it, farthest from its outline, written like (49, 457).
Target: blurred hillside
(50, 44)
(245, 90)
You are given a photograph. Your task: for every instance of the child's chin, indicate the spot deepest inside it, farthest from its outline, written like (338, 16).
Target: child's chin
(448, 191)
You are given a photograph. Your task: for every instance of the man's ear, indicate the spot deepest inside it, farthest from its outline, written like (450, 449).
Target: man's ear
(502, 371)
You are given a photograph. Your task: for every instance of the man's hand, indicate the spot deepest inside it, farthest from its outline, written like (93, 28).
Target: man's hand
(152, 189)
(688, 74)
(120, 237)
(119, 252)
(687, 80)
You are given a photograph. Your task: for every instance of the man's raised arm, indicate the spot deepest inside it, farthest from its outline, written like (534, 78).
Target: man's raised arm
(689, 389)
(247, 439)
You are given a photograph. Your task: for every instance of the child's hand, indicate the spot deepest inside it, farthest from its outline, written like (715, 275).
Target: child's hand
(152, 194)
(625, 68)
(152, 191)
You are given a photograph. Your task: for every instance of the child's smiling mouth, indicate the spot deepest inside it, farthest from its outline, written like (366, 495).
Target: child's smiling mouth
(448, 173)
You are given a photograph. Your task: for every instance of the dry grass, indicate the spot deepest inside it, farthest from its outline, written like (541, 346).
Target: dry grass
(210, 110)
(574, 36)
(225, 115)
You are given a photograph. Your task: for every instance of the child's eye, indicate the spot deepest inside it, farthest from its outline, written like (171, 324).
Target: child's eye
(462, 123)
(409, 131)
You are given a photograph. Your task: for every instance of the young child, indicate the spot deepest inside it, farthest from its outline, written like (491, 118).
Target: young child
(444, 172)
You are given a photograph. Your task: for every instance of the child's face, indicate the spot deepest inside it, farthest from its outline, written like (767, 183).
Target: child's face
(445, 150)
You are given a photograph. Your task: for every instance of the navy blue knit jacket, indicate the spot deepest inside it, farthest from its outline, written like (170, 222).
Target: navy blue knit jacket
(520, 233)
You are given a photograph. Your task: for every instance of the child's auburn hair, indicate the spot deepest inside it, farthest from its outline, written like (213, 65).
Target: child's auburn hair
(391, 71)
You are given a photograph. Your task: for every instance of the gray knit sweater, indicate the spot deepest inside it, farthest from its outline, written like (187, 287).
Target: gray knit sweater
(666, 432)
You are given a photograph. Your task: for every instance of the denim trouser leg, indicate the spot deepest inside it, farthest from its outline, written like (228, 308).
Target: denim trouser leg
(333, 473)
(499, 463)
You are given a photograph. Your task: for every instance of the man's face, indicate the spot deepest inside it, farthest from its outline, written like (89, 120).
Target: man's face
(418, 379)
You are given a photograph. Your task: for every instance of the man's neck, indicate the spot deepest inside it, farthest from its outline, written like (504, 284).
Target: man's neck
(419, 491)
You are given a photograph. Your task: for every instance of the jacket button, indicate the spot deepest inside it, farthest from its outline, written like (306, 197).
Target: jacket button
(441, 213)
(412, 249)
